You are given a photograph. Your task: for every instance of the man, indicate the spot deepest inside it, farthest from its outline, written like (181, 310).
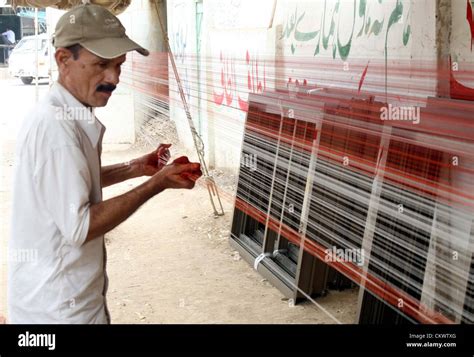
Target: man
(9, 35)
(58, 213)
(8, 39)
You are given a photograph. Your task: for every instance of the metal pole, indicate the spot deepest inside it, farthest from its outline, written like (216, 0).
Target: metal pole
(36, 55)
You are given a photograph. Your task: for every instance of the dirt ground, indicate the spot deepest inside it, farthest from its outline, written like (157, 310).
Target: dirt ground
(171, 261)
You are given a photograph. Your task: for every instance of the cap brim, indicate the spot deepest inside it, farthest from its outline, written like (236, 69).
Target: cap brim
(113, 47)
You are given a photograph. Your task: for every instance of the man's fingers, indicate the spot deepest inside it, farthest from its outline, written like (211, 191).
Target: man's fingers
(191, 175)
(164, 146)
(163, 155)
(193, 168)
(187, 170)
(161, 148)
(181, 160)
(180, 174)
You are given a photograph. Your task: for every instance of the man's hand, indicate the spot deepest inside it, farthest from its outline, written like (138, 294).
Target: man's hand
(150, 164)
(107, 215)
(147, 165)
(179, 174)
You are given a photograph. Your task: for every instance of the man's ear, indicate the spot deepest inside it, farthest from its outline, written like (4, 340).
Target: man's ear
(63, 56)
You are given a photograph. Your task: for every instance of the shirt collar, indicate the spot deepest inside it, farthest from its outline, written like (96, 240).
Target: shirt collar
(78, 112)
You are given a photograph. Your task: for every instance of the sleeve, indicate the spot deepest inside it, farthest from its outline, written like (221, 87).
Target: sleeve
(64, 184)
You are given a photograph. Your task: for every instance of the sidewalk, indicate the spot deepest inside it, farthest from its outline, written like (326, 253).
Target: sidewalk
(4, 72)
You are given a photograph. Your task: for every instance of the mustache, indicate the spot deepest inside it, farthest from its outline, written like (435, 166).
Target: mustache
(106, 88)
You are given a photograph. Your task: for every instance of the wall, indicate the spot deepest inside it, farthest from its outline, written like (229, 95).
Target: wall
(386, 47)
(146, 78)
(462, 40)
(256, 46)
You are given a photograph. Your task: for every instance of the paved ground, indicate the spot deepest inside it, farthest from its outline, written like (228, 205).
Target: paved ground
(171, 261)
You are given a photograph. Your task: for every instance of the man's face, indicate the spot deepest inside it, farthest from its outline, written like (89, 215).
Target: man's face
(89, 78)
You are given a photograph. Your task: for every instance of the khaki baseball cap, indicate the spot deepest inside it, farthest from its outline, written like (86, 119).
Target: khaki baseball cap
(96, 29)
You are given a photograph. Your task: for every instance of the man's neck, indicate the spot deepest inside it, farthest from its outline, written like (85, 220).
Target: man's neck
(63, 84)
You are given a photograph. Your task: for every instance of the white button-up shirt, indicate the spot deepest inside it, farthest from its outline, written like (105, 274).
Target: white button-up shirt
(53, 275)
(10, 35)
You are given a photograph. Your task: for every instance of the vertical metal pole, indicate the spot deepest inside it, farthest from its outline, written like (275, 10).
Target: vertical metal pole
(287, 184)
(266, 240)
(199, 18)
(372, 212)
(36, 54)
(50, 46)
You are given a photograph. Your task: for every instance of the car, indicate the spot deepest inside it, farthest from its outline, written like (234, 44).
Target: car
(22, 61)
